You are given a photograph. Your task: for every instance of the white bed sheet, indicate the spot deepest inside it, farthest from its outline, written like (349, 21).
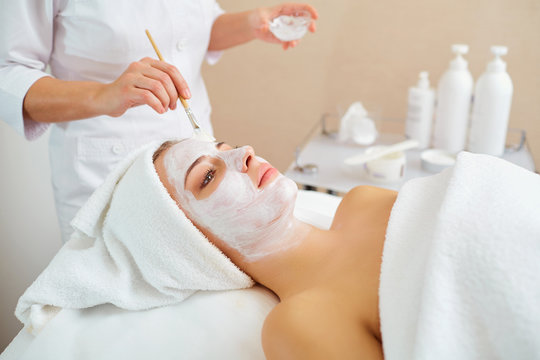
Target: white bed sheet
(208, 325)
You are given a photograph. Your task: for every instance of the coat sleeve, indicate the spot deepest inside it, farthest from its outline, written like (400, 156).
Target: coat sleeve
(213, 57)
(26, 42)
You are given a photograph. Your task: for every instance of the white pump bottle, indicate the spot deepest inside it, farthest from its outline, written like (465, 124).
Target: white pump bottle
(420, 111)
(454, 93)
(491, 107)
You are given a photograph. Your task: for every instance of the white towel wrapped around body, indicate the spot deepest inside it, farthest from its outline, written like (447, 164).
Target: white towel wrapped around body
(132, 247)
(460, 277)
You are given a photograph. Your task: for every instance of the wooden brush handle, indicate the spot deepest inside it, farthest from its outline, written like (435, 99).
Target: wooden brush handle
(158, 53)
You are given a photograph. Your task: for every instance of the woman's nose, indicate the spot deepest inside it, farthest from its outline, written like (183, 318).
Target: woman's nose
(249, 155)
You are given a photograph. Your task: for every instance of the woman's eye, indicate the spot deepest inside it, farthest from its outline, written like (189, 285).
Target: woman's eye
(208, 177)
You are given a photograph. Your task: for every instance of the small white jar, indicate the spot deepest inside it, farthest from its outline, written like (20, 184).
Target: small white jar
(386, 169)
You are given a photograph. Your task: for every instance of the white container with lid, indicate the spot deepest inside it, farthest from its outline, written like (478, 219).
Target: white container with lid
(491, 107)
(436, 160)
(386, 169)
(453, 104)
(421, 103)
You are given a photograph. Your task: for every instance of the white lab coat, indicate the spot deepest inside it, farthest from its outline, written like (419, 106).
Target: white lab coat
(96, 40)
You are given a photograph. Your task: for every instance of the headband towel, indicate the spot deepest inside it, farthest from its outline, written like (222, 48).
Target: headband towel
(132, 247)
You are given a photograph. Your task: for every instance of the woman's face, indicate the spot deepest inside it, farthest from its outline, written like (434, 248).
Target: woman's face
(240, 198)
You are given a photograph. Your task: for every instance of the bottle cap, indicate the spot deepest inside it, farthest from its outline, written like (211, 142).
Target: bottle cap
(423, 80)
(461, 49)
(459, 63)
(497, 64)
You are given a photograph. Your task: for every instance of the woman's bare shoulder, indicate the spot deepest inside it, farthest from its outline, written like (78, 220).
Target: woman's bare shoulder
(312, 326)
(367, 192)
(289, 329)
(294, 312)
(366, 200)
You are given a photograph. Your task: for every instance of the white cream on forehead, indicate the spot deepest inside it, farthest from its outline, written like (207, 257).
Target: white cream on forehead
(255, 222)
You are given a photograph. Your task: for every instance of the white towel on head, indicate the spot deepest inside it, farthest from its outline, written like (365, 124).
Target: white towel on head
(132, 247)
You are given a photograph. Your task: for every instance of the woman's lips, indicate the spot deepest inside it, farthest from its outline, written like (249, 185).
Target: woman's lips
(266, 174)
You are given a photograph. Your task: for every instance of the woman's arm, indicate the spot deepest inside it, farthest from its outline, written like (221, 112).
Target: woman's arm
(52, 100)
(230, 30)
(237, 28)
(148, 81)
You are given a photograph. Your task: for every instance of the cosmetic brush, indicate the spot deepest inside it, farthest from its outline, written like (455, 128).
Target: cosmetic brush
(198, 132)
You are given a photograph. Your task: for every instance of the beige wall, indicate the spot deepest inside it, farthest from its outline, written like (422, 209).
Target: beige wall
(370, 51)
(29, 233)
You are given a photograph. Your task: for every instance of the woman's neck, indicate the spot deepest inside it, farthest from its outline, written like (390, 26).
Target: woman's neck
(294, 268)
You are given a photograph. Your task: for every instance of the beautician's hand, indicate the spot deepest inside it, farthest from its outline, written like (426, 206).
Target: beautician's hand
(145, 82)
(261, 18)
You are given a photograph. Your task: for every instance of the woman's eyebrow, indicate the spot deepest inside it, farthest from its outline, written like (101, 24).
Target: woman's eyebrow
(199, 159)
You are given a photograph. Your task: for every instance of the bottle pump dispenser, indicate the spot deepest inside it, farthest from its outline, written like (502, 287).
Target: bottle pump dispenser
(491, 107)
(454, 93)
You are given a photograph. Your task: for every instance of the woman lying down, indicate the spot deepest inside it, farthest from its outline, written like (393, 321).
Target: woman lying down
(447, 268)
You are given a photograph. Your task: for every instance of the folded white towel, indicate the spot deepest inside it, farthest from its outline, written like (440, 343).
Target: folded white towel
(132, 247)
(460, 277)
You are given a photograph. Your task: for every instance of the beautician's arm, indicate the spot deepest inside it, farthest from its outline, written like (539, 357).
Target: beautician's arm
(147, 81)
(237, 28)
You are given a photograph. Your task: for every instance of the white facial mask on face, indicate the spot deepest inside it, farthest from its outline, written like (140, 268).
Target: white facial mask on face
(255, 222)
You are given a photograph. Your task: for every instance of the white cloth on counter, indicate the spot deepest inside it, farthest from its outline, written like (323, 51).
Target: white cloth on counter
(460, 277)
(132, 247)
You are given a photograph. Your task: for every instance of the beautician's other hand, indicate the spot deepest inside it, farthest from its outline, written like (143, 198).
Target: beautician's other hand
(261, 18)
(145, 82)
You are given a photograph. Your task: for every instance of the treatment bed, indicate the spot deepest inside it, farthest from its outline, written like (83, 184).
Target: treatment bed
(460, 279)
(207, 325)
